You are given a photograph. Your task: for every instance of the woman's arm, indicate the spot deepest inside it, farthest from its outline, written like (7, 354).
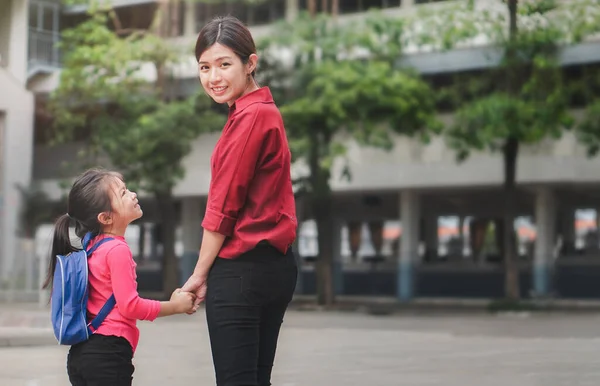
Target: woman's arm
(211, 245)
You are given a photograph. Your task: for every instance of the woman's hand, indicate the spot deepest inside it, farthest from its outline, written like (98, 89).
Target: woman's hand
(196, 284)
(211, 244)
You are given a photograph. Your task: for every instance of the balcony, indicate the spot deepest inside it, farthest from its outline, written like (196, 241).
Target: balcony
(43, 36)
(43, 55)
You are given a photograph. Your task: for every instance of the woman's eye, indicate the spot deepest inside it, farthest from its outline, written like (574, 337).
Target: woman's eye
(225, 65)
(203, 68)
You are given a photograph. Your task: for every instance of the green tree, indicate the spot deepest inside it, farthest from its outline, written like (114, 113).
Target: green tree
(587, 88)
(367, 100)
(144, 130)
(521, 101)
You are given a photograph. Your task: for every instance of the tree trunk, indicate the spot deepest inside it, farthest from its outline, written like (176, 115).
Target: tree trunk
(160, 24)
(335, 9)
(175, 16)
(325, 6)
(512, 17)
(170, 263)
(324, 219)
(321, 208)
(312, 8)
(510, 153)
(511, 149)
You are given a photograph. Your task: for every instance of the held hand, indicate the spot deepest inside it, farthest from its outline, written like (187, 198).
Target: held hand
(197, 285)
(184, 301)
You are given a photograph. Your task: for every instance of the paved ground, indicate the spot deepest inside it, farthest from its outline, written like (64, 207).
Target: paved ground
(351, 349)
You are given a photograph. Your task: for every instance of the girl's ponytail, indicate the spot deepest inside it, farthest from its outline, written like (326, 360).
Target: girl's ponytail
(61, 245)
(87, 199)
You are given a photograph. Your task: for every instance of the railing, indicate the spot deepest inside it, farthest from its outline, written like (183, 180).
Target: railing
(43, 50)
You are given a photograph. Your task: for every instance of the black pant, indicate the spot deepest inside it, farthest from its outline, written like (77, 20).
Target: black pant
(101, 361)
(245, 303)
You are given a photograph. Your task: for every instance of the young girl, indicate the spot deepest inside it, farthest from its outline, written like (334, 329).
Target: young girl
(100, 203)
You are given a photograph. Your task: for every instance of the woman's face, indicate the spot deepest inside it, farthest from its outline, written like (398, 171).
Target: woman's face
(223, 75)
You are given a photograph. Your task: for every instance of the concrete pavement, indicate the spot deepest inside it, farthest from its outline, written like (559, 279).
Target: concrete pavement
(25, 324)
(28, 324)
(353, 349)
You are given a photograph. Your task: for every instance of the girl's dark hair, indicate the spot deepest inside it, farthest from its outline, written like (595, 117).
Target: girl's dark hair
(87, 199)
(229, 32)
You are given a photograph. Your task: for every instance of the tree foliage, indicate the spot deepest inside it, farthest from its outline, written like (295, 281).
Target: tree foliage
(524, 98)
(115, 96)
(337, 81)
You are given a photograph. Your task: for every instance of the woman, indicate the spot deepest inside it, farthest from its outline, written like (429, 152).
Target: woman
(246, 271)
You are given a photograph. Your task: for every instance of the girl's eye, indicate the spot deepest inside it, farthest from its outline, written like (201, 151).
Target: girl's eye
(203, 68)
(225, 65)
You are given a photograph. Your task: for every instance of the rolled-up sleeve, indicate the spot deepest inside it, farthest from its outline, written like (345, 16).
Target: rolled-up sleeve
(244, 142)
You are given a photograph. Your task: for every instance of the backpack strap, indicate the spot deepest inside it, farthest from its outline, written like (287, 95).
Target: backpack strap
(104, 311)
(95, 246)
(110, 303)
(86, 239)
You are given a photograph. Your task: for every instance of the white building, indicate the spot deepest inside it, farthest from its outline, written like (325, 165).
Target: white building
(16, 125)
(414, 183)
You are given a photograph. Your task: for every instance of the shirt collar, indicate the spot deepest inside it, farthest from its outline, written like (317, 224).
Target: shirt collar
(263, 95)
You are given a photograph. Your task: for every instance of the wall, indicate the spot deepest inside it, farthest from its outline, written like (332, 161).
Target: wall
(17, 108)
(409, 164)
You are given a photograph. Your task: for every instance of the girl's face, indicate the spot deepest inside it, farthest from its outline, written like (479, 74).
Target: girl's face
(124, 208)
(223, 75)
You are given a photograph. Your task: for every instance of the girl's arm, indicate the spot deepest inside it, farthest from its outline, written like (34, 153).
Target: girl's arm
(130, 304)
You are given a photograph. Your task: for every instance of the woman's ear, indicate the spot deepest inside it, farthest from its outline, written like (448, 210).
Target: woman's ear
(252, 63)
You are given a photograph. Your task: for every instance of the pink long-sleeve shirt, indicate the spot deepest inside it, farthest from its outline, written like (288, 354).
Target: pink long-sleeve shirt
(112, 270)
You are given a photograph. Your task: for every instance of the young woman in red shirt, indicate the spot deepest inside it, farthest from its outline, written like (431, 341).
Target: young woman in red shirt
(246, 271)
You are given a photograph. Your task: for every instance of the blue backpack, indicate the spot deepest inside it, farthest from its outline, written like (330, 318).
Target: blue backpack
(70, 296)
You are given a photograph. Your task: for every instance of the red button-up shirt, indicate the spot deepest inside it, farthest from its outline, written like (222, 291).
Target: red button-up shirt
(250, 197)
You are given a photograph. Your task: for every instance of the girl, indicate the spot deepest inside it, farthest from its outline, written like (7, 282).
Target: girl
(99, 202)
(245, 268)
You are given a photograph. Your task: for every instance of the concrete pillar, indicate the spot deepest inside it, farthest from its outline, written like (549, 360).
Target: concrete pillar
(410, 213)
(17, 51)
(191, 225)
(16, 128)
(16, 141)
(543, 260)
(189, 19)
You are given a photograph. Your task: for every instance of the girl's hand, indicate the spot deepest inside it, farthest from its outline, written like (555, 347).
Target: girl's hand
(183, 301)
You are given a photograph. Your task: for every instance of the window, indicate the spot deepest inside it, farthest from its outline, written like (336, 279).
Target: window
(43, 34)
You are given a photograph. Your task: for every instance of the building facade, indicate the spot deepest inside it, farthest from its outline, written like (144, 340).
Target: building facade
(16, 126)
(402, 194)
